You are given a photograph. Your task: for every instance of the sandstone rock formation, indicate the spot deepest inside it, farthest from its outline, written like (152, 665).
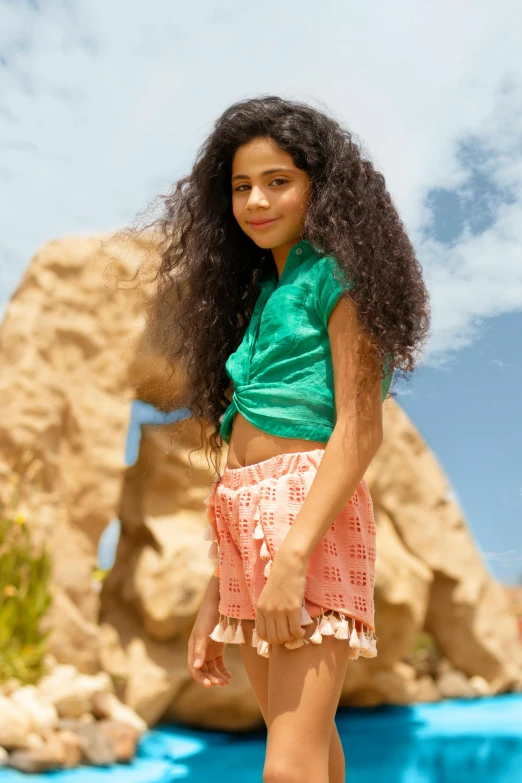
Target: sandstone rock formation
(74, 354)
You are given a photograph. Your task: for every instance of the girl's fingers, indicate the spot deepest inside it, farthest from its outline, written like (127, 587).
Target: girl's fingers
(271, 631)
(283, 630)
(215, 675)
(222, 669)
(201, 677)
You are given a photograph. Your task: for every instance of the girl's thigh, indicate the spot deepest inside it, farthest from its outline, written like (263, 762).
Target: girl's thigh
(256, 667)
(304, 688)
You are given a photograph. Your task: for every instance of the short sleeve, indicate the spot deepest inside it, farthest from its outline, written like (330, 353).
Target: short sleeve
(330, 282)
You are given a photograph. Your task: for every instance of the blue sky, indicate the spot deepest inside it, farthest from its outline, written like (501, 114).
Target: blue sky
(104, 103)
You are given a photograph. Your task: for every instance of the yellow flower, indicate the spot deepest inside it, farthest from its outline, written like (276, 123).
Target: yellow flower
(20, 519)
(10, 591)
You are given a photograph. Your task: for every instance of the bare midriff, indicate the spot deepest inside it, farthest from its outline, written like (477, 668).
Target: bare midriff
(249, 444)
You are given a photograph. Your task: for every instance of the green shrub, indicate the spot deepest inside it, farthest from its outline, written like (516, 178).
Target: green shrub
(25, 597)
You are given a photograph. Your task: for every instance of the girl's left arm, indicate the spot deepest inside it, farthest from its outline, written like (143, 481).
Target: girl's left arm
(356, 437)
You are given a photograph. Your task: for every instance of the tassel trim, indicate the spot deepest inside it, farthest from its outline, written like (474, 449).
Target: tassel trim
(362, 643)
(209, 534)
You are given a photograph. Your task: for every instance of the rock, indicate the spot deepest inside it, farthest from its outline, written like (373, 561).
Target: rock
(71, 692)
(33, 761)
(455, 685)
(480, 685)
(59, 749)
(106, 705)
(8, 687)
(154, 672)
(396, 685)
(73, 639)
(4, 755)
(76, 352)
(49, 663)
(402, 590)
(426, 689)
(15, 724)
(122, 738)
(164, 587)
(43, 715)
(94, 742)
(67, 747)
(34, 741)
(468, 613)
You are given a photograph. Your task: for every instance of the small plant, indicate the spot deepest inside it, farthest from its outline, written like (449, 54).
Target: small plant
(424, 643)
(25, 596)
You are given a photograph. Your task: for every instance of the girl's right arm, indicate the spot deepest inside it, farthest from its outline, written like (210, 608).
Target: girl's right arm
(206, 663)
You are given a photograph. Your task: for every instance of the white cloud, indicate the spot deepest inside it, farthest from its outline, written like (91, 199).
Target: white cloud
(510, 556)
(105, 104)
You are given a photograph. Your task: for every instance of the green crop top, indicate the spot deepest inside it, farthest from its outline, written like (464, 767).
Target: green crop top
(282, 372)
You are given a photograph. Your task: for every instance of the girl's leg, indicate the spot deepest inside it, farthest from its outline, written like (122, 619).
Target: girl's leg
(257, 669)
(304, 687)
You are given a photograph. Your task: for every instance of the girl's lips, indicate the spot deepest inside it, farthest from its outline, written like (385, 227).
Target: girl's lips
(263, 224)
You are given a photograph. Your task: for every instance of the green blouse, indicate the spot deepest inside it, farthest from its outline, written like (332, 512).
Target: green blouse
(282, 372)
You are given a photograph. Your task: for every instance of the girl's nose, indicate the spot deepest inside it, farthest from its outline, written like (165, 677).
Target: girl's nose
(257, 198)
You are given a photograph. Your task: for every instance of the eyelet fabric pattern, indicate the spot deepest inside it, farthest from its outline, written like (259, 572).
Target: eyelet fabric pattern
(249, 511)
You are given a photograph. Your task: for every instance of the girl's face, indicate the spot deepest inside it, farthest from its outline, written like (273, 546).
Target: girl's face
(267, 187)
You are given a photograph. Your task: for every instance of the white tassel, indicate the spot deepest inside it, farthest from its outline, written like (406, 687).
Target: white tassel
(325, 627)
(229, 634)
(255, 638)
(294, 644)
(373, 648)
(334, 621)
(354, 639)
(316, 637)
(209, 534)
(263, 648)
(305, 617)
(258, 532)
(343, 628)
(239, 638)
(268, 568)
(353, 653)
(218, 633)
(213, 551)
(264, 553)
(365, 645)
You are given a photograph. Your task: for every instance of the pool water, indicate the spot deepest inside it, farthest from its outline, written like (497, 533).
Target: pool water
(455, 741)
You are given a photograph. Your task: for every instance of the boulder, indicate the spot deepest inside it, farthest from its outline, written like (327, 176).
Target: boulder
(122, 739)
(73, 639)
(43, 715)
(96, 748)
(468, 612)
(72, 693)
(15, 724)
(76, 353)
(110, 708)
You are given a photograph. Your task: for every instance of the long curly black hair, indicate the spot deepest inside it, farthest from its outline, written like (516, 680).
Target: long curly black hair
(209, 269)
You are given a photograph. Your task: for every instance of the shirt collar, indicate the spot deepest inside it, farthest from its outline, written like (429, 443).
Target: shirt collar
(301, 251)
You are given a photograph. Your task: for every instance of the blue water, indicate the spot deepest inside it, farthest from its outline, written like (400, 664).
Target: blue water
(457, 741)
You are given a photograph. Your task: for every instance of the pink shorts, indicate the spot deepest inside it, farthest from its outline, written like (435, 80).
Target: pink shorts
(250, 510)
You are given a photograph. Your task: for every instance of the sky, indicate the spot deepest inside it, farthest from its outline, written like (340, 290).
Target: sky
(104, 104)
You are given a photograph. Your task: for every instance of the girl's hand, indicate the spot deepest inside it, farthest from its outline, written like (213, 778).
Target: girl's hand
(278, 617)
(206, 662)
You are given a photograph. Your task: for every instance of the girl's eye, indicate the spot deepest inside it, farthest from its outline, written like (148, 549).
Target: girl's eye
(277, 179)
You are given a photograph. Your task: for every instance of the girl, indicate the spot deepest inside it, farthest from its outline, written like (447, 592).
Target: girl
(297, 294)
